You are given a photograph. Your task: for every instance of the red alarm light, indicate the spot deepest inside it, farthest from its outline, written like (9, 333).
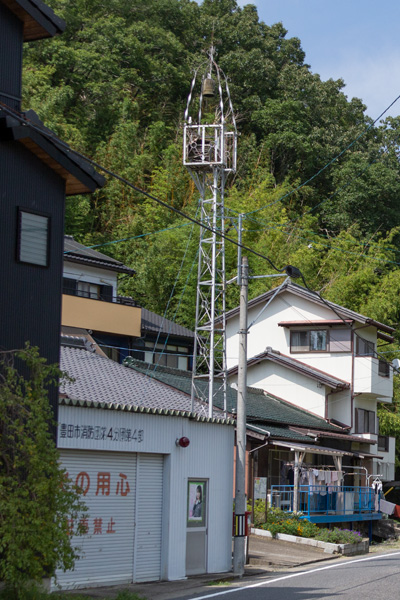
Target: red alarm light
(183, 442)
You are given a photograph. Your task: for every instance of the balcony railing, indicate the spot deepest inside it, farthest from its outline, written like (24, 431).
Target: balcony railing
(98, 295)
(328, 502)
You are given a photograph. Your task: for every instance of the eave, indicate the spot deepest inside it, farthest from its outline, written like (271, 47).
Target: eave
(79, 178)
(39, 21)
(65, 400)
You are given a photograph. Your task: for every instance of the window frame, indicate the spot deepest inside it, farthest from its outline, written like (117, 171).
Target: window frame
(332, 342)
(20, 211)
(308, 332)
(367, 417)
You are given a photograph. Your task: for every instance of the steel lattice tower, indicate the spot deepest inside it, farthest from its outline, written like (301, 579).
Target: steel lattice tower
(209, 153)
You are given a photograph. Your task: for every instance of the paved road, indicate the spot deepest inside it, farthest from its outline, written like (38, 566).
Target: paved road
(369, 578)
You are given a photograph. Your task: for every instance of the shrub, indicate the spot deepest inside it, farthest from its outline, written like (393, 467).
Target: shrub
(339, 536)
(36, 500)
(292, 524)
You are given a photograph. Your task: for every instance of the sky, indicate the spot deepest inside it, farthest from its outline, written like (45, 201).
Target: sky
(355, 40)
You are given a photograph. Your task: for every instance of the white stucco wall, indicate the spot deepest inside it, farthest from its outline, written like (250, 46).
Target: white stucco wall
(209, 456)
(265, 332)
(288, 385)
(339, 407)
(90, 274)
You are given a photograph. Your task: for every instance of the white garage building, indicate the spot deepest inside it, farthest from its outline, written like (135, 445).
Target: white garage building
(157, 509)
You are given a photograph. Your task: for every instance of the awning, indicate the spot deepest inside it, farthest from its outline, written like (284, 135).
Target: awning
(360, 454)
(311, 449)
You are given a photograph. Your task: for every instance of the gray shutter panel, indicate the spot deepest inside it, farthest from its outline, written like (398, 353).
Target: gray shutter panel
(69, 286)
(359, 420)
(340, 340)
(371, 416)
(106, 293)
(149, 499)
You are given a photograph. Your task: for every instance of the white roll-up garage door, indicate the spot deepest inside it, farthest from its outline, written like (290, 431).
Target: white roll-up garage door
(109, 482)
(124, 495)
(149, 507)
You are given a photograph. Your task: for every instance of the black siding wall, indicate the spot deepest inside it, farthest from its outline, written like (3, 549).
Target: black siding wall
(30, 295)
(11, 39)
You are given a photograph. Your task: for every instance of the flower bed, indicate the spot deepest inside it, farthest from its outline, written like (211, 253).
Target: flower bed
(280, 522)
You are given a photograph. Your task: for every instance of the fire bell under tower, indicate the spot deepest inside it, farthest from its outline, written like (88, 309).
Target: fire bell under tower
(209, 153)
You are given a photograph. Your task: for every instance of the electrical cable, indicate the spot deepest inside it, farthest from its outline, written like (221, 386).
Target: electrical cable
(328, 164)
(132, 237)
(49, 135)
(170, 298)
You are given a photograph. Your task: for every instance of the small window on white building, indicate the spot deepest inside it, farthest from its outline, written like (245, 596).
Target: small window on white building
(315, 340)
(364, 347)
(33, 238)
(365, 421)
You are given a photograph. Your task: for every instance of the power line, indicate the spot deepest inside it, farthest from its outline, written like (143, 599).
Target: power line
(132, 237)
(328, 164)
(51, 136)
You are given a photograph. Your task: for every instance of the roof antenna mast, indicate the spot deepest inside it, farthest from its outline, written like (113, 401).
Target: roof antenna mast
(209, 153)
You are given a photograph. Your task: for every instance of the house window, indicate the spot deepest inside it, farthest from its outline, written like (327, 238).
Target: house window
(384, 368)
(383, 443)
(166, 360)
(365, 421)
(309, 341)
(33, 238)
(364, 347)
(87, 290)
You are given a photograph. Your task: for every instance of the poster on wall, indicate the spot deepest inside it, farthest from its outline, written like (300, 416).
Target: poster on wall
(196, 503)
(260, 488)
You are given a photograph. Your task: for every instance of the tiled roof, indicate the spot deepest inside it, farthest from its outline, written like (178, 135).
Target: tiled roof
(101, 382)
(156, 323)
(76, 252)
(261, 407)
(313, 297)
(277, 432)
(296, 365)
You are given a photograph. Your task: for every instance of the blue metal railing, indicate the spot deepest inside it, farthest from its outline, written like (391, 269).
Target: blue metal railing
(325, 500)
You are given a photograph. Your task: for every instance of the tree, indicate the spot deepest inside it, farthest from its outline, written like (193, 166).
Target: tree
(36, 499)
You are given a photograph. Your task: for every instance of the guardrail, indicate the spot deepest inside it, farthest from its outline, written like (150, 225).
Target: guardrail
(326, 500)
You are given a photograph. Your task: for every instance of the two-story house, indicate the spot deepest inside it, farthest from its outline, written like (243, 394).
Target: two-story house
(117, 323)
(37, 171)
(323, 358)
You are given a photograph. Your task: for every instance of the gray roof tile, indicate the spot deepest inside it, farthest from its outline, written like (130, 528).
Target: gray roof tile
(153, 322)
(101, 380)
(261, 407)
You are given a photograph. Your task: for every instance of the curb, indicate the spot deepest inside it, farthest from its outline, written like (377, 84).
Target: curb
(345, 549)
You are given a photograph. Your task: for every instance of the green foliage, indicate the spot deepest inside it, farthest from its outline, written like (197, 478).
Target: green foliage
(36, 499)
(115, 85)
(279, 521)
(339, 536)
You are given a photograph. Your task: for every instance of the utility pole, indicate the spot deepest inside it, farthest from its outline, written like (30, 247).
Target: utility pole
(240, 477)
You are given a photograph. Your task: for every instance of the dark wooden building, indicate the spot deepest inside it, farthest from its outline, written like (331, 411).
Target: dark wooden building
(37, 171)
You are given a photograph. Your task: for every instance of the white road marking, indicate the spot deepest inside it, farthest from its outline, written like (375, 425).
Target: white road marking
(269, 581)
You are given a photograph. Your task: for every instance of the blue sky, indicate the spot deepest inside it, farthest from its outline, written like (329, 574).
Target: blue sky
(356, 40)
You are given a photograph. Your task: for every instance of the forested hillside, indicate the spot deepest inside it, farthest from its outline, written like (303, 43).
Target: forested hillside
(114, 86)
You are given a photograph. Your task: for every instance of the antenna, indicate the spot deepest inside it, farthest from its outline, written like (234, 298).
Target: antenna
(209, 154)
